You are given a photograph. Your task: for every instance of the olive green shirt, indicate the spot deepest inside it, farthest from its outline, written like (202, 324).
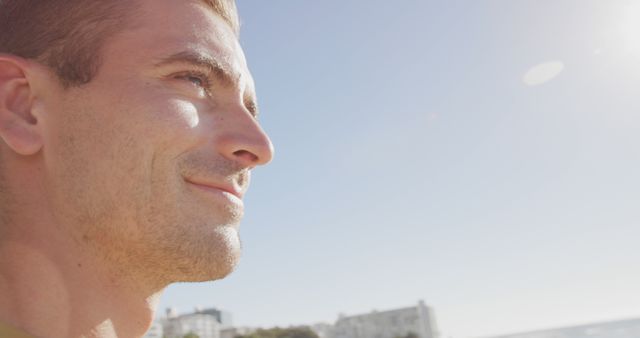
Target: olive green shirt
(7, 331)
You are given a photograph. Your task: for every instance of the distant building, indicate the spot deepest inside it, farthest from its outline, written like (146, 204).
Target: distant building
(232, 332)
(204, 325)
(617, 329)
(419, 320)
(224, 317)
(323, 330)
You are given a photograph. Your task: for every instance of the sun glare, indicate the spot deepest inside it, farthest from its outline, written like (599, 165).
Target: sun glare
(542, 73)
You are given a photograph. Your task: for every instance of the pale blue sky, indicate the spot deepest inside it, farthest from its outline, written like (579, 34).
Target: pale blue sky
(412, 162)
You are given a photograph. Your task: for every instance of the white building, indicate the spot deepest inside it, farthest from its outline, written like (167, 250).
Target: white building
(224, 317)
(419, 320)
(232, 332)
(618, 329)
(201, 324)
(323, 330)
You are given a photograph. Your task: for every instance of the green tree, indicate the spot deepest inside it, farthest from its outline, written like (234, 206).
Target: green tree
(408, 335)
(296, 332)
(191, 335)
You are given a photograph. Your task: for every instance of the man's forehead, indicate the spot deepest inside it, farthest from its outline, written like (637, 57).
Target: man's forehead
(191, 31)
(226, 9)
(191, 18)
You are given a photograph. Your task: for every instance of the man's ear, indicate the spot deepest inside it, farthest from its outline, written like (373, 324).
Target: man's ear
(19, 129)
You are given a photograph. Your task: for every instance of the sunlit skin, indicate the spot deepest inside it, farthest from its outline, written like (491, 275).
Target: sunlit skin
(129, 183)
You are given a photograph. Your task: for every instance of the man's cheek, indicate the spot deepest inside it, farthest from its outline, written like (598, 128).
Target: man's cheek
(186, 114)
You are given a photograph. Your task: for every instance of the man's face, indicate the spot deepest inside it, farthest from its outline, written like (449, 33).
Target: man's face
(146, 164)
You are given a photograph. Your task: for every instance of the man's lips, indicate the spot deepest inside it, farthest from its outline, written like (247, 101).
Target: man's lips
(229, 188)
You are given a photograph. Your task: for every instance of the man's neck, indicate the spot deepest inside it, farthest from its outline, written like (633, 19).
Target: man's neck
(51, 287)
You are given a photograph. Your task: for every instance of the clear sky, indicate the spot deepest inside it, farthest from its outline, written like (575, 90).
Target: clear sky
(481, 155)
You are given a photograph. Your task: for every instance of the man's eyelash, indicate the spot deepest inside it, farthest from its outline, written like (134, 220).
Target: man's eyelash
(202, 77)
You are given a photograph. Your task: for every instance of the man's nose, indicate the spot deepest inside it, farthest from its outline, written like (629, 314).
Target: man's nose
(243, 141)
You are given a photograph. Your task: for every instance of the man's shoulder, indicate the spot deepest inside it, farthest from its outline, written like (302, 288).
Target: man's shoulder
(7, 331)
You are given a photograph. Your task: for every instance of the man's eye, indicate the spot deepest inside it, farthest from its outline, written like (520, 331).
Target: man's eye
(195, 80)
(199, 80)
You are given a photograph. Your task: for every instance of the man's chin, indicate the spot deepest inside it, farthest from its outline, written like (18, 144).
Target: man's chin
(220, 269)
(214, 260)
(201, 273)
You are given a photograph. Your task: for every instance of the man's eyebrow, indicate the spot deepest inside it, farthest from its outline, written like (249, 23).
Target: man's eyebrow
(252, 106)
(224, 74)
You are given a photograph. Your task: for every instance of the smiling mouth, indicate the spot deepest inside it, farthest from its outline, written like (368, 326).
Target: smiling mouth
(219, 190)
